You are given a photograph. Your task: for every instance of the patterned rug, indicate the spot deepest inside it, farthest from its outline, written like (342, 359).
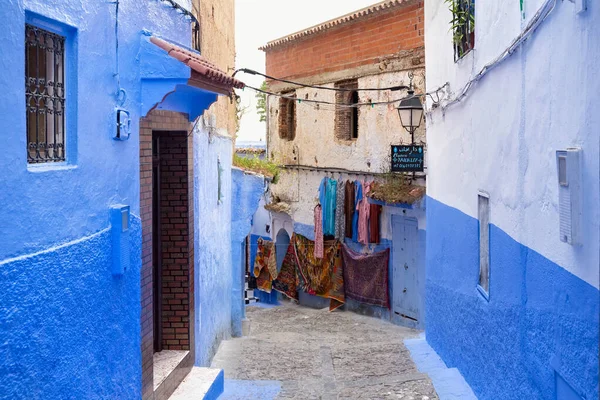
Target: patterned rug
(264, 265)
(366, 277)
(286, 282)
(320, 277)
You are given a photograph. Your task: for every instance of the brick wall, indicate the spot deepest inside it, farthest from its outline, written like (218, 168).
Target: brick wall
(350, 45)
(157, 121)
(174, 240)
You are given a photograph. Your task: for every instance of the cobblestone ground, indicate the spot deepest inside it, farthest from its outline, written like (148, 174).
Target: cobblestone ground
(316, 354)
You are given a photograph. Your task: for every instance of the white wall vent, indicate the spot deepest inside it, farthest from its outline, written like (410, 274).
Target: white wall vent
(570, 194)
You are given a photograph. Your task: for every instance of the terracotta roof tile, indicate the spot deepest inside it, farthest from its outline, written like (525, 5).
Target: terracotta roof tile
(207, 70)
(375, 8)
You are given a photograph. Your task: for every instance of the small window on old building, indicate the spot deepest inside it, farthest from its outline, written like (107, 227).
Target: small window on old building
(287, 116)
(346, 118)
(463, 26)
(44, 95)
(484, 243)
(196, 36)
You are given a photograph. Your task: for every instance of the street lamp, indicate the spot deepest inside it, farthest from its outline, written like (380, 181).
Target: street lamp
(411, 112)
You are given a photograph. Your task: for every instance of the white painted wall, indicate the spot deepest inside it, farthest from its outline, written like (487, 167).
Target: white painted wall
(502, 138)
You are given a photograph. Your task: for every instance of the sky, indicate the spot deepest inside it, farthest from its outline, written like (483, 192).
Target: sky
(259, 22)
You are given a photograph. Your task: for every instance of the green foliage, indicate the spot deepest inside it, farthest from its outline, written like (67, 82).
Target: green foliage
(255, 164)
(240, 110)
(261, 104)
(461, 24)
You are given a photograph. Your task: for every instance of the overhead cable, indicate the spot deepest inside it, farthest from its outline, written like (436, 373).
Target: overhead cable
(539, 17)
(300, 100)
(336, 89)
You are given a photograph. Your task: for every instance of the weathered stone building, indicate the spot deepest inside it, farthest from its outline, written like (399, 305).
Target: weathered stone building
(217, 43)
(380, 46)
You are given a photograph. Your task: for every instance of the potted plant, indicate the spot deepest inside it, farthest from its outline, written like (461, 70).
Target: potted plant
(462, 25)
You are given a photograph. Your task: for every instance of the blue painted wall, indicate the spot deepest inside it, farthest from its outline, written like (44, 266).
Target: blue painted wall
(540, 320)
(248, 189)
(69, 328)
(212, 220)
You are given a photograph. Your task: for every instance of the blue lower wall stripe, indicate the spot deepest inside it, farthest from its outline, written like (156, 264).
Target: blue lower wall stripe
(539, 326)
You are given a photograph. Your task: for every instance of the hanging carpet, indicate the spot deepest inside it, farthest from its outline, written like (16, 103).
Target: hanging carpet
(286, 282)
(265, 265)
(320, 276)
(366, 277)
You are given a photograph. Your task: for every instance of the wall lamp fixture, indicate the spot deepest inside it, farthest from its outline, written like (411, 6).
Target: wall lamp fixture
(410, 111)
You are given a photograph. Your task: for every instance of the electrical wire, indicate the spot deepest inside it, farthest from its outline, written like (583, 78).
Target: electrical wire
(336, 89)
(540, 16)
(289, 97)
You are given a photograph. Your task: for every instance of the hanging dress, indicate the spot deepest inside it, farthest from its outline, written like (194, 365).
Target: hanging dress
(318, 232)
(364, 210)
(340, 216)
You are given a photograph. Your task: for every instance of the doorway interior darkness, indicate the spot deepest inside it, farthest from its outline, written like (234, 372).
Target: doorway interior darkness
(170, 241)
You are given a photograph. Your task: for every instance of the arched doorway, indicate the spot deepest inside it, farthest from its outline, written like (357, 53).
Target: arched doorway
(282, 241)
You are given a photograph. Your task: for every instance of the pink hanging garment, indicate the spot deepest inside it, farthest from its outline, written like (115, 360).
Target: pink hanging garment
(318, 232)
(364, 209)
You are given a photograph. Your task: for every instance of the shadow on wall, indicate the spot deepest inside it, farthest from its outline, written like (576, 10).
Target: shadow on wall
(247, 190)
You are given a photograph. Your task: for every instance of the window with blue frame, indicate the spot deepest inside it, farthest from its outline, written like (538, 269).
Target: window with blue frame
(484, 243)
(45, 95)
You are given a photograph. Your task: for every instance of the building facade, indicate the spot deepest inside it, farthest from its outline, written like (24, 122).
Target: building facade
(513, 196)
(314, 134)
(112, 177)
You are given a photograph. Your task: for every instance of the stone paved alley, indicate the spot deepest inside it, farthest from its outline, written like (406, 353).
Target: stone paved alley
(315, 354)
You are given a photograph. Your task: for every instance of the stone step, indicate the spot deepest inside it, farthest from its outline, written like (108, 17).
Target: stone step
(200, 384)
(448, 382)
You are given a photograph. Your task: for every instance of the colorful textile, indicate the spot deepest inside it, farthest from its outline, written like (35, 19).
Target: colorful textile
(321, 277)
(374, 226)
(340, 217)
(349, 207)
(323, 200)
(363, 216)
(329, 222)
(366, 277)
(286, 282)
(265, 265)
(318, 232)
(357, 199)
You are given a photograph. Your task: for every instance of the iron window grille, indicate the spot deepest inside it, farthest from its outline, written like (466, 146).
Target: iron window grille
(463, 26)
(45, 95)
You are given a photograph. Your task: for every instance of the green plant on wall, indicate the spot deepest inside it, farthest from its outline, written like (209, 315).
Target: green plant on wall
(261, 103)
(462, 25)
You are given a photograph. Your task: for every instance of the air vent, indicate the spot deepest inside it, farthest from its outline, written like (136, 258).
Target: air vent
(570, 196)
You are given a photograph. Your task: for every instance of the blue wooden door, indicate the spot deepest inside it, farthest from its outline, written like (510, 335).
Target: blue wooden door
(405, 247)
